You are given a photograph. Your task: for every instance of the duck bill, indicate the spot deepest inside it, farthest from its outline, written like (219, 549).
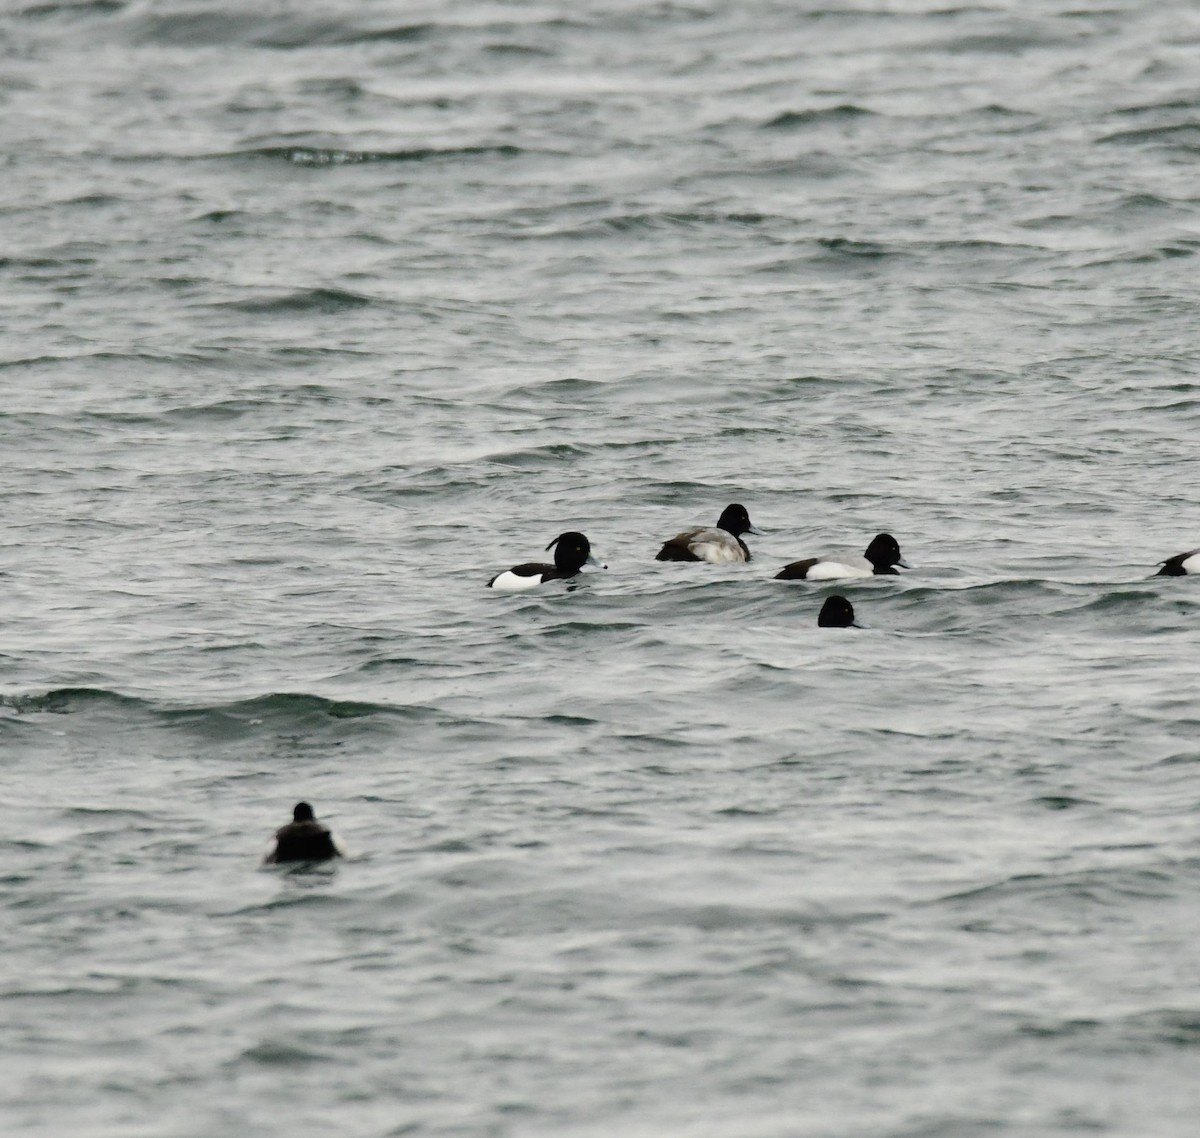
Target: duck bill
(594, 563)
(755, 530)
(904, 564)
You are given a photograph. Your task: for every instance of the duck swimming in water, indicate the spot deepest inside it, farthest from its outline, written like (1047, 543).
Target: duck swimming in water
(303, 839)
(1181, 565)
(837, 612)
(880, 559)
(572, 551)
(722, 542)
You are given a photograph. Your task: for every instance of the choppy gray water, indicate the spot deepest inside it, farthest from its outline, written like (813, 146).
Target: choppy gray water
(316, 315)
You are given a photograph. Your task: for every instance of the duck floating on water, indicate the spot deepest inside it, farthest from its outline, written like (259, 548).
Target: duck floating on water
(880, 559)
(572, 551)
(722, 542)
(303, 839)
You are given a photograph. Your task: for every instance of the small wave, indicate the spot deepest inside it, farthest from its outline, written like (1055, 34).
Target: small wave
(275, 1054)
(538, 458)
(1061, 802)
(65, 701)
(290, 709)
(793, 120)
(1162, 253)
(1006, 112)
(220, 216)
(107, 812)
(152, 359)
(635, 223)
(978, 247)
(1181, 758)
(999, 43)
(337, 156)
(1138, 109)
(1124, 599)
(987, 593)
(573, 630)
(220, 411)
(849, 248)
(1062, 893)
(1173, 1027)
(1184, 136)
(570, 390)
(92, 200)
(216, 26)
(716, 918)
(520, 50)
(277, 710)
(78, 8)
(812, 163)
(835, 254)
(328, 301)
(400, 33)
(1141, 203)
(37, 264)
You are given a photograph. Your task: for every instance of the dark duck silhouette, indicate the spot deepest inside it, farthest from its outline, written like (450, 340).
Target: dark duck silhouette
(837, 612)
(303, 839)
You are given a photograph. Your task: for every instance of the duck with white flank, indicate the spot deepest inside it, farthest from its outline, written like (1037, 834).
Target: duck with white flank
(303, 839)
(881, 558)
(572, 551)
(1180, 565)
(722, 542)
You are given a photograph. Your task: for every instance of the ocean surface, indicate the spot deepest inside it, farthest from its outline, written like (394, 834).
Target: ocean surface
(316, 315)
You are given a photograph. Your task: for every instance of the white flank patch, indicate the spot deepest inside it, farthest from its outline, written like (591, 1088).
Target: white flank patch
(510, 582)
(715, 545)
(836, 570)
(717, 551)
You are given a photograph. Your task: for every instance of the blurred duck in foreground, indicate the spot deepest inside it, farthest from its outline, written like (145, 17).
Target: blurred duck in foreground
(837, 612)
(1180, 565)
